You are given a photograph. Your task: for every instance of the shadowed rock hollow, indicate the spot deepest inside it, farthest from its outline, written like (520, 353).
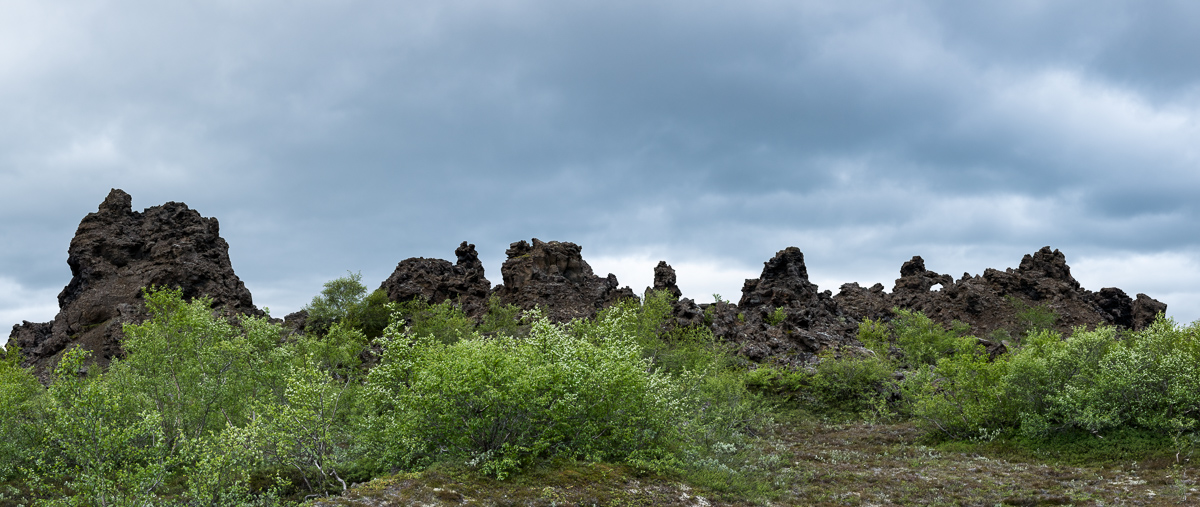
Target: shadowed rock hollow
(117, 251)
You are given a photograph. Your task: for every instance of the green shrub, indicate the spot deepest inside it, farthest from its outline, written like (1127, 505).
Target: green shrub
(501, 319)
(1149, 380)
(1032, 318)
(668, 348)
(200, 371)
(218, 466)
(854, 381)
(203, 406)
(913, 338)
(444, 321)
(501, 402)
(877, 336)
(785, 384)
(777, 317)
(925, 341)
(339, 352)
(372, 315)
(20, 414)
(1041, 370)
(336, 300)
(1093, 381)
(312, 429)
(961, 396)
(346, 300)
(106, 444)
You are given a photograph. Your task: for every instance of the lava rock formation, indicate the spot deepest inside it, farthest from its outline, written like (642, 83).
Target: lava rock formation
(436, 280)
(991, 302)
(114, 254)
(781, 316)
(555, 277)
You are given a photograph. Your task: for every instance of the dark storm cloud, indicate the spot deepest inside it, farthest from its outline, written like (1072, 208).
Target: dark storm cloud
(334, 136)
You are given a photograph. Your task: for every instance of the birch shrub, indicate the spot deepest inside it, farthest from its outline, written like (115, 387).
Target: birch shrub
(19, 414)
(1148, 380)
(200, 370)
(499, 403)
(102, 444)
(1093, 381)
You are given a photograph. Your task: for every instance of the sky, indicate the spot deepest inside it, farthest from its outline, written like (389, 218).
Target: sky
(330, 136)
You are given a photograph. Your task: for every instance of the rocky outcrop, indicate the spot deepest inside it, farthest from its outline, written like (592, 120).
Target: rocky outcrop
(114, 254)
(436, 280)
(781, 315)
(991, 302)
(664, 280)
(555, 277)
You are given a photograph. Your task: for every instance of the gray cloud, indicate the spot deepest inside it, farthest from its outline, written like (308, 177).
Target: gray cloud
(352, 135)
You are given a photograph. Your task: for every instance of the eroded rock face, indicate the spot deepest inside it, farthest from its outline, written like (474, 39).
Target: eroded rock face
(114, 254)
(781, 314)
(664, 279)
(992, 301)
(436, 280)
(554, 275)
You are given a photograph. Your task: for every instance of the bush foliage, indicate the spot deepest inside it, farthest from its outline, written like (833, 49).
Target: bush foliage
(206, 409)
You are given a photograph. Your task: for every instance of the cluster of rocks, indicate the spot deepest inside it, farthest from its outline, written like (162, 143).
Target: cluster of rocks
(552, 275)
(781, 315)
(994, 301)
(437, 280)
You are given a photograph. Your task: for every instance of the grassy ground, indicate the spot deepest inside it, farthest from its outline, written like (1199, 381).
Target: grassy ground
(824, 463)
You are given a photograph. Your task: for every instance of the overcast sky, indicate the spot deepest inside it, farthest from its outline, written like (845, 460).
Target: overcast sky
(340, 135)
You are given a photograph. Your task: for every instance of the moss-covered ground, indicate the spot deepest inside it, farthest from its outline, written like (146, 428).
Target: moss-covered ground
(821, 462)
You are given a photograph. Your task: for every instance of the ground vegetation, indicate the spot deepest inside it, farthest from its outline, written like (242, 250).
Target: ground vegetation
(624, 408)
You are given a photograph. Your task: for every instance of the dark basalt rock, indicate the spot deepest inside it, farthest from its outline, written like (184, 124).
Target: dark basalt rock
(1145, 309)
(555, 277)
(811, 320)
(914, 278)
(436, 280)
(990, 302)
(114, 254)
(664, 279)
(781, 315)
(296, 321)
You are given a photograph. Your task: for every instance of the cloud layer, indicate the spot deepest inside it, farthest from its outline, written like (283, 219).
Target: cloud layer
(333, 136)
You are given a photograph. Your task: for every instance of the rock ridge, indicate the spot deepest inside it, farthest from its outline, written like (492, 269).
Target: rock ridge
(991, 302)
(781, 315)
